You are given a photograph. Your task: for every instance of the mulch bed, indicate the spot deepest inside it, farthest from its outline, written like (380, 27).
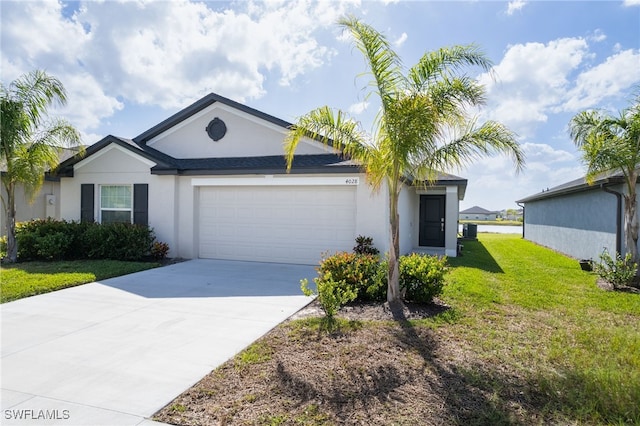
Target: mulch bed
(387, 372)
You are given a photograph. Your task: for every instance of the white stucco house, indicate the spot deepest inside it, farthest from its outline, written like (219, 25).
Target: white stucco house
(212, 183)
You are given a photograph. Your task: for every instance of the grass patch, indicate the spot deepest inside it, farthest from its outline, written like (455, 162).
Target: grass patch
(256, 353)
(528, 338)
(26, 279)
(540, 311)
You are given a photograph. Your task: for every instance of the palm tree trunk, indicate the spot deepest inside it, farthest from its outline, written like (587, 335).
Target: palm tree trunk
(631, 225)
(631, 219)
(12, 246)
(393, 277)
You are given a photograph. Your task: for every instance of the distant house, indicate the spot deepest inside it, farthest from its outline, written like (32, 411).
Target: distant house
(478, 213)
(578, 219)
(511, 214)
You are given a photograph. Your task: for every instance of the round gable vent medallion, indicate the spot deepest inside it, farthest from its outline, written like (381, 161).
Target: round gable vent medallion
(216, 129)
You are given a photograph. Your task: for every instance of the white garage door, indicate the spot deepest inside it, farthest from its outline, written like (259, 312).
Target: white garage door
(287, 224)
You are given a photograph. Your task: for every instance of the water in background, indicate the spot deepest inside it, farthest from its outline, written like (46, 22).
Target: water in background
(498, 229)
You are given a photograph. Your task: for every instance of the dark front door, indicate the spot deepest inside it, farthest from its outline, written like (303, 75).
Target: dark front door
(432, 214)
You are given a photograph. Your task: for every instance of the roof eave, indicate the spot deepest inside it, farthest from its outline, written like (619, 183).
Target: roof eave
(255, 171)
(198, 106)
(572, 190)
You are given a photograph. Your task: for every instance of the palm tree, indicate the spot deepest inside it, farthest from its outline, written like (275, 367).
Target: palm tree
(30, 141)
(422, 126)
(612, 144)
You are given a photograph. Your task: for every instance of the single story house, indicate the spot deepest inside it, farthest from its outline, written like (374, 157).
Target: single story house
(212, 183)
(578, 219)
(478, 213)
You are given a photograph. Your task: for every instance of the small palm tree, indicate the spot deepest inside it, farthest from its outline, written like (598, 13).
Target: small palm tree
(612, 144)
(30, 142)
(421, 128)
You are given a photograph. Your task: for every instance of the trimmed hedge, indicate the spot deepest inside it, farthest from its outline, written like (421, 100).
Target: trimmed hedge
(61, 240)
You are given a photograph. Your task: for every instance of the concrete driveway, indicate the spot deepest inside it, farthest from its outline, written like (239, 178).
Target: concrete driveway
(116, 351)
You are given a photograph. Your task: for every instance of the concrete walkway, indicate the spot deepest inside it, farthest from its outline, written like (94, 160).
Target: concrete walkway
(116, 351)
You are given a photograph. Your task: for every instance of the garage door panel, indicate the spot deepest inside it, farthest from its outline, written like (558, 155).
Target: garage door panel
(276, 224)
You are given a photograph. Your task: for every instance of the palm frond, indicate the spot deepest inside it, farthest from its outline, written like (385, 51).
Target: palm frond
(446, 62)
(384, 64)
(333, 128)
(489, 139)
(36, 91)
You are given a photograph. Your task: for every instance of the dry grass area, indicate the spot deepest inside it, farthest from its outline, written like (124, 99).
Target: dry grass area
(365, 369)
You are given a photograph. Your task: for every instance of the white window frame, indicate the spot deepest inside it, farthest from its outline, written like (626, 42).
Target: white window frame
(101, 209)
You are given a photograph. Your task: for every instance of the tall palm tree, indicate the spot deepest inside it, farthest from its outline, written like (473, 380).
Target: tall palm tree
(612, 144)
(30, 141)
(422, 126)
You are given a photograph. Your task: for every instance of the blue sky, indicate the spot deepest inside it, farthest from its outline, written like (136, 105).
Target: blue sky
(128, 65)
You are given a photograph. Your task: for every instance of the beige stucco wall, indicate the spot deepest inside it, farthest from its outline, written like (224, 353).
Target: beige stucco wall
(246, 134)
(46, 203)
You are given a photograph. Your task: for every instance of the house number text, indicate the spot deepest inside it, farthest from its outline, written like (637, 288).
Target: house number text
(352, 181)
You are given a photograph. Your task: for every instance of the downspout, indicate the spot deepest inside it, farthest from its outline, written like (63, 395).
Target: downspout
(618, 217)
(523, 210)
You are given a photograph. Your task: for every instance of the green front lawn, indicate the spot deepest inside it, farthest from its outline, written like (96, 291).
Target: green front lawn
(30, 278)
(534, 310)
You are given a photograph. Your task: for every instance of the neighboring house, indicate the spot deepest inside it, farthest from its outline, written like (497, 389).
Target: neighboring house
(511, 214)
(45, 204)
(578, 219)
(478, 213)
(211, 181)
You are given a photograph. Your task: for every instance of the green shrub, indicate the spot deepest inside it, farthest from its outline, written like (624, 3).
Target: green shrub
(358, 271)
(36, 239)
(61, 240)
(3, 247)
(53, 246)
(422, 276)
(332, 294)
(159, 250)
(118, 241)
(619, 272)
(364, 245)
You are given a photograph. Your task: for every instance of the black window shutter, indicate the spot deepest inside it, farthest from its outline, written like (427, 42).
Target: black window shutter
(141, 204)
(86, 202)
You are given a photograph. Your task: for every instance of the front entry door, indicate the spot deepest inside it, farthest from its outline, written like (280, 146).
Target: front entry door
(432, 214)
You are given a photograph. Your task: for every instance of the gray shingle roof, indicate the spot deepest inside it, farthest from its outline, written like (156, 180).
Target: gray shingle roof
(576, 185)
(320, 163)
(477, 210)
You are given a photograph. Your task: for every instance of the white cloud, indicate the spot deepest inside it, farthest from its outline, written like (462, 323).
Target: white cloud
(514, 6)
(545, 154)
(535, 81)
(532, 78)
(631, 2)
(164, 53)
(598, 35)
(358, 108)
(400, 41)
(610, 78)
